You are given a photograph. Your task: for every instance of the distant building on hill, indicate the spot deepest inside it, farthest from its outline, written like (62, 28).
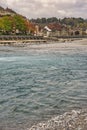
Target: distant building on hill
(7, 11)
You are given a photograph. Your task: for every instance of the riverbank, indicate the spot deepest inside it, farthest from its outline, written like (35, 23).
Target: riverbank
(62, 47)
(74, 46)
(74, 120)
(25, 41)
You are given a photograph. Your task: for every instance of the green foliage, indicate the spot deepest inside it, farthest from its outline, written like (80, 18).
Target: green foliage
(53, 19)
(10, 23)
(83, 25)
(45, 20)
(6, 24)
(73, 22)
(1, 24)
(19, 22)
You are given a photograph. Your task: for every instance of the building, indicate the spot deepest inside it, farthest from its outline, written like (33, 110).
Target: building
(7, 11)
(47, 31)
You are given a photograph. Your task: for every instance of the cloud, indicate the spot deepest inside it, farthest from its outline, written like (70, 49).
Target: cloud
(48, 8)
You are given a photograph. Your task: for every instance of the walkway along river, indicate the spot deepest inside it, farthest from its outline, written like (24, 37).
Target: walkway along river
(15, 39)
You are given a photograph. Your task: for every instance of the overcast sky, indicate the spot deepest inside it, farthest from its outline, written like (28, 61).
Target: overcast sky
(48, 8)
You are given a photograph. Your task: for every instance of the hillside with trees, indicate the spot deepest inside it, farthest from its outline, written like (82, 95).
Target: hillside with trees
(73, 22)
(13, 23)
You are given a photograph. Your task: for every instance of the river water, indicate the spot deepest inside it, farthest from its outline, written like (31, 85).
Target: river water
(36, 85)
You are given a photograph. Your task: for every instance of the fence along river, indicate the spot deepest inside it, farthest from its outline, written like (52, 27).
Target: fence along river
(10, 39)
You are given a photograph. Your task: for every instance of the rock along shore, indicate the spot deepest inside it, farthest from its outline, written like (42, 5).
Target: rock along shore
(74, 120)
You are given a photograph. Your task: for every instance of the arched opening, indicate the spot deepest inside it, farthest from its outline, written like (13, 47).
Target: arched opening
(77, 32)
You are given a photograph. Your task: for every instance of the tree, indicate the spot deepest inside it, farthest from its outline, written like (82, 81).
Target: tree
(43, 20)
(6, 24)
(20, 23)
(30, 27)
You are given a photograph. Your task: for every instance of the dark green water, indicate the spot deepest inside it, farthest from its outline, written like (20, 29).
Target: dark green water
(35, 86)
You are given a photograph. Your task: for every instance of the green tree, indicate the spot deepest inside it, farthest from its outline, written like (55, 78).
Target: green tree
(6, 24)
(43, 20)
(20, 23)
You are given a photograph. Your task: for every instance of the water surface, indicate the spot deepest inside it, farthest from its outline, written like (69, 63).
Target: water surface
(36, 85)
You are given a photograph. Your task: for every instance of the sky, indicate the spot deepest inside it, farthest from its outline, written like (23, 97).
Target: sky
(48, 8)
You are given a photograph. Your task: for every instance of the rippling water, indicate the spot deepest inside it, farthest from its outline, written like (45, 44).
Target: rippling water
(35, 86)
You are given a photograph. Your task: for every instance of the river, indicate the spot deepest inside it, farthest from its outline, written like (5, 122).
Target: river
(37, 84)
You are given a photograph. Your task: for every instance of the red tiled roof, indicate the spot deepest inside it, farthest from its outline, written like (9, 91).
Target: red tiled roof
(55, 26)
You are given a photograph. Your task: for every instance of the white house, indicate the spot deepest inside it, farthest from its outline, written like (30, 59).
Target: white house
(47, 31)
